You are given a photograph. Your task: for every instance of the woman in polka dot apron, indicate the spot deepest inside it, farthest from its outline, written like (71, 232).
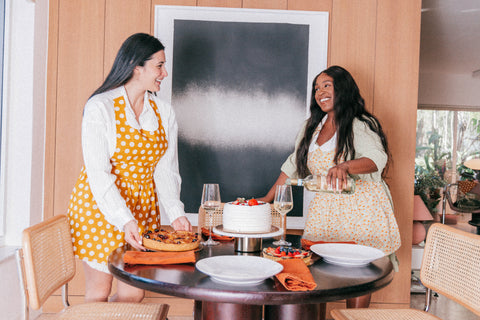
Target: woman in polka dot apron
(130, 172)
(339, 139)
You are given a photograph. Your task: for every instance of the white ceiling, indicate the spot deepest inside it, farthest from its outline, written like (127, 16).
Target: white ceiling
(450, 36)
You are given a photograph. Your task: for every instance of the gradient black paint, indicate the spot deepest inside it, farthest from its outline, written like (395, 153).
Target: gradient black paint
(242, 57)
(248, 172)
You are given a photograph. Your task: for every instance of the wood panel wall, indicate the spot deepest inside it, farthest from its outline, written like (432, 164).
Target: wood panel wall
(376, 40)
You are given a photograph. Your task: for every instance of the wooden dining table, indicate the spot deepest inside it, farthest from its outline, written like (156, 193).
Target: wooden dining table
(267, 300)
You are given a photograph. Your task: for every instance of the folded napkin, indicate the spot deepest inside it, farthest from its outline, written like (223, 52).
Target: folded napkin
(215, 236)
(296, 276)
(306, 244)
(146, 257)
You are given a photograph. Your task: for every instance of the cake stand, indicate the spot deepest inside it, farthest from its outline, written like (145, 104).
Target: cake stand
(248, 242)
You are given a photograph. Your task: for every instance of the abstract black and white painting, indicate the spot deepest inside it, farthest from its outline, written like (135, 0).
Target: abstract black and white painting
(240, 83)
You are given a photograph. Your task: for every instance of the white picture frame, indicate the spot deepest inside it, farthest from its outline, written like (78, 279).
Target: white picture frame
(317, 23)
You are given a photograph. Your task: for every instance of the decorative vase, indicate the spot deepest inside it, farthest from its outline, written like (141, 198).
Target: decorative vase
(419, 232)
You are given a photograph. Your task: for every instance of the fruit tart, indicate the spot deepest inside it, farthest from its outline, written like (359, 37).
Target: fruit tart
(280, 253)
(163, 240)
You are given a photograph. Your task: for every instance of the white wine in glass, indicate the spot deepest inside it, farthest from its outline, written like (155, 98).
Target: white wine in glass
(210, 202)
(283, 203)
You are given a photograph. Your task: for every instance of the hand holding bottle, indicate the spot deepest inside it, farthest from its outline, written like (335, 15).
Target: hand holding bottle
(320, 183)
(337, 176)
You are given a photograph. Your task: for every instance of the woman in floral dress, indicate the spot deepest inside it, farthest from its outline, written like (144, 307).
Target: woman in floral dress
(341, 138)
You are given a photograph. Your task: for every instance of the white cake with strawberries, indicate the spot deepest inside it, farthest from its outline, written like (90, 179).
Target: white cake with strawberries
(247, 216)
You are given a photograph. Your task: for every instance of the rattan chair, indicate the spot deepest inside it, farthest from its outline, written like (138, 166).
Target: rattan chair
(217, 217)
(46, 263)
(450, 267)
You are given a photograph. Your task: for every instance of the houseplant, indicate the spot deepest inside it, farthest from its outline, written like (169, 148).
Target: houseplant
(428, 184)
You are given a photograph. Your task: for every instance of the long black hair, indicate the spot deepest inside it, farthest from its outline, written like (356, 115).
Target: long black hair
(348, 105)
(135, 51)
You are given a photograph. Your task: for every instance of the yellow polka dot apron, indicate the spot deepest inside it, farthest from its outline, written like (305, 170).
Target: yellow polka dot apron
(366, 216)
(133, 163)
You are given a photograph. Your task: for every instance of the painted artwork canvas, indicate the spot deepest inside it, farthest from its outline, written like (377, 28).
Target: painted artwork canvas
(239, 84)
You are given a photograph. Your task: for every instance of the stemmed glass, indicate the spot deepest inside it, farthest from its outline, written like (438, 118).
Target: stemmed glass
(210, 202)
(283, 203)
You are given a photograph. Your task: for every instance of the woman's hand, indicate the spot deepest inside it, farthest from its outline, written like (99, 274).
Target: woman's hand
(357, 166)
(182, 223)
(132, 236)
(264, 199)
(337, 176)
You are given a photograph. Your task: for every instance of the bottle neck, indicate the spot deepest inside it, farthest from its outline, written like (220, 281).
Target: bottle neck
(295, 182)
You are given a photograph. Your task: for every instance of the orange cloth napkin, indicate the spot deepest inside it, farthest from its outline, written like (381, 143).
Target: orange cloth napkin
(296, 276)
(306, 244)
(146, 257)
(215, 236)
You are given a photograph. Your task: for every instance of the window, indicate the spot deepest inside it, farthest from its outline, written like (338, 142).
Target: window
(2, 37)
(446, 138)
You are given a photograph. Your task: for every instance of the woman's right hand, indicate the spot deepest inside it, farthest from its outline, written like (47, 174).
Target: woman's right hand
(182, 223)
(264, 199)
(132, 236)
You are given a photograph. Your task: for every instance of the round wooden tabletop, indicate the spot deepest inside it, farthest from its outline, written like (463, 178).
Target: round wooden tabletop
(334, 282)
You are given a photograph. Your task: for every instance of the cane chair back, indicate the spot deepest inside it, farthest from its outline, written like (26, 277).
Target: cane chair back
(217, 217)
(46, 263)
(450, 267)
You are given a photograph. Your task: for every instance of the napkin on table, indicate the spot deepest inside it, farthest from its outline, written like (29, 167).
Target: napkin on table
(306, 244)
(146, 257)
(215, 236)
(296, 276)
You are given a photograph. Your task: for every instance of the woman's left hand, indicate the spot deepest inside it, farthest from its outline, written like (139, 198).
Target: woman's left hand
(182, 223)
(338, 174)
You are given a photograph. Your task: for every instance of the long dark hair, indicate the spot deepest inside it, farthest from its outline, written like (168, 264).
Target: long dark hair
(348, 105)
(135, 51)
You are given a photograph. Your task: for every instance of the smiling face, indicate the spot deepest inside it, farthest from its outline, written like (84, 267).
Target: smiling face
(153, 72)
(325, 93)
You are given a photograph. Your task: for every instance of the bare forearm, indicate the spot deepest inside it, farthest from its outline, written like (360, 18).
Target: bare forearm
(271, 193)
(360, 166)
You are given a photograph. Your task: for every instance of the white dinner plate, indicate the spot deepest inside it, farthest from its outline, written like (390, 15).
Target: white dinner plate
(239, 270)
(345, 254)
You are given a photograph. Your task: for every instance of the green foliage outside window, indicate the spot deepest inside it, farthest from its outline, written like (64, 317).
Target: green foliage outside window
(436, 150)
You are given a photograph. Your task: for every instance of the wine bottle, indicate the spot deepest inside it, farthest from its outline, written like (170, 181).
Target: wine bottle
(318, 183)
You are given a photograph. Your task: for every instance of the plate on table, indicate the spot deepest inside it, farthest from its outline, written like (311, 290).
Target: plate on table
(345, 254)
(238, 270)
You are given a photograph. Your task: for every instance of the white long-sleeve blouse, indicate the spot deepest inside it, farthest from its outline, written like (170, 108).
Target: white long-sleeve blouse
(99, 144)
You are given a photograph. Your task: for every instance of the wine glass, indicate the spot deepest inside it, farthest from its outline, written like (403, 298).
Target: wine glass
(210, 203)
(283, 203)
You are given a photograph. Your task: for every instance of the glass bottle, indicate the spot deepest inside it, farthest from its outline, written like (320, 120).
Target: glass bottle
(318, 183)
